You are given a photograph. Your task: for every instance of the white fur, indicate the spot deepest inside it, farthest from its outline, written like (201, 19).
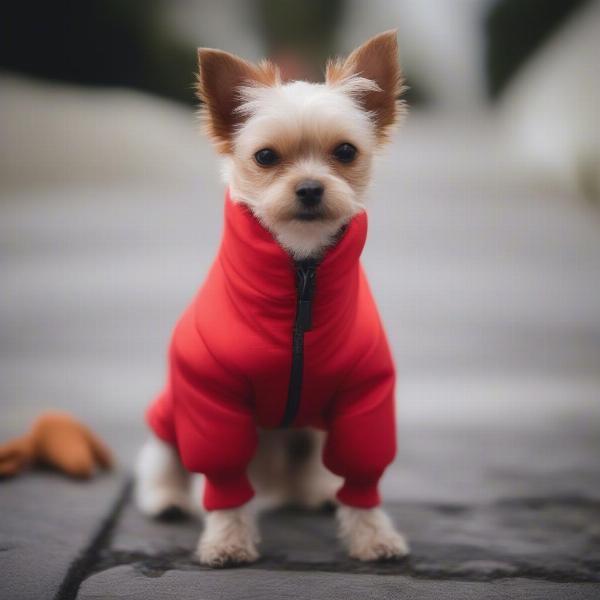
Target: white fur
(307, 483)
(315, 484)
(301, 111)
(229, 537)
(161, 480)
(369, 534)
(313, 107)
(303, 238)
(307, 121)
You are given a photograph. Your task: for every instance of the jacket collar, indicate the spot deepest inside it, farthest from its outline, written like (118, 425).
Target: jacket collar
(258, 268)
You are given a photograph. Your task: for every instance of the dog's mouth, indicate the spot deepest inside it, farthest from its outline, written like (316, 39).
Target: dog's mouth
(310, 214)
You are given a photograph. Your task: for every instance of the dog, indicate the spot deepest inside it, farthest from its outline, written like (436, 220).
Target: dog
(280, 379)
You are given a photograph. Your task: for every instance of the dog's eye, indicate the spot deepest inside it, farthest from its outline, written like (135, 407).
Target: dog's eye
(266, 157)
(345, 153)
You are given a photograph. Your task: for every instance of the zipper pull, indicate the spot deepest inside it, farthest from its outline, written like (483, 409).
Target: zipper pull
(305, 277)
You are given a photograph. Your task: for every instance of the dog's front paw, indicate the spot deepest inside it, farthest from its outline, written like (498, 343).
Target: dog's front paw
(370, 535)
(226, 553)
(229, 539)
(379, 546)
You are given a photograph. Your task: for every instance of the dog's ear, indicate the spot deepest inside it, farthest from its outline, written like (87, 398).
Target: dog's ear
(220, 77)
(377, 61)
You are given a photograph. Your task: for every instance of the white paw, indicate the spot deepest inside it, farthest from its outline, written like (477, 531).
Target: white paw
(223, 553)
(162, 484)
(370, 535)
(155, 501)
(229, 538)
(387, 545)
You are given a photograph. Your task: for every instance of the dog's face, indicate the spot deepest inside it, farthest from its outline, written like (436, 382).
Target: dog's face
(299, 154)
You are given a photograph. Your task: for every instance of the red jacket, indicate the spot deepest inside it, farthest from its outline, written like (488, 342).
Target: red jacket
(230, 364)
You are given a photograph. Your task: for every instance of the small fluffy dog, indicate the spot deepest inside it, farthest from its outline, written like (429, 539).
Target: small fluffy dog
(280, 375)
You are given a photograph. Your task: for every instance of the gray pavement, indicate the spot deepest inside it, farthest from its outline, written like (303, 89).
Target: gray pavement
(125, 583)
(48, 529)
(488, 284)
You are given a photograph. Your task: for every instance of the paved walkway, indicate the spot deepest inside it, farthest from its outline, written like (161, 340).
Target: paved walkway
(489, 286)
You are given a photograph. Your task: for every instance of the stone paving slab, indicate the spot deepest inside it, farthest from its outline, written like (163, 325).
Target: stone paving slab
(554, 539)
(544, 546)
(47, 524)
(128, 583)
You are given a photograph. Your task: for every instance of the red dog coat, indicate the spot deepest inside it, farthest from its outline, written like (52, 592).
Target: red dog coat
(267, 342)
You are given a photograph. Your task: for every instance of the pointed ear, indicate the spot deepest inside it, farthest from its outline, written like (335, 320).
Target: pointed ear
(377, 61)
(220, 77)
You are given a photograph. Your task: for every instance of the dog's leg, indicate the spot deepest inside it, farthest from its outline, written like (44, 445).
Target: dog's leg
(369, 534)
(229, 537)
(288, 469)
(162, 483)
(314, 486)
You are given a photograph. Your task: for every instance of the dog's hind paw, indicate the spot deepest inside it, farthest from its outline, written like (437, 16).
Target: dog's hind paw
(162, 503)
(162, 486)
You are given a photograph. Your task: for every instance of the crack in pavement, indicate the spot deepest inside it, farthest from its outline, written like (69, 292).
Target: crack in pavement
(82, 566)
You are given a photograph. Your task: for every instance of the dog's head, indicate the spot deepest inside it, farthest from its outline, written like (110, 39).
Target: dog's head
(299, 154)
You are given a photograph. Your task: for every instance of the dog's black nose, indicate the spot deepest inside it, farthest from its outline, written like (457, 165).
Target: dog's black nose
(309, 192)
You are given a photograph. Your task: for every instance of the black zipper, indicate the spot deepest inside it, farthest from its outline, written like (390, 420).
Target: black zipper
(306, 271)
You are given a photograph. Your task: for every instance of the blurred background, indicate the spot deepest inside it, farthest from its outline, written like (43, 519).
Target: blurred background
(484, 249)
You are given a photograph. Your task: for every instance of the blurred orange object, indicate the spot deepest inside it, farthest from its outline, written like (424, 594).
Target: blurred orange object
(59, 441)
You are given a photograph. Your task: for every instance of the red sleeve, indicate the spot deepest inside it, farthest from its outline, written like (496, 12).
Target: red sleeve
(214, 423)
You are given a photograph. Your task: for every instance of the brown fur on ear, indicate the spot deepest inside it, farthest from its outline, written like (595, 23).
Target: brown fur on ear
(220, 76)
(377, 60)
